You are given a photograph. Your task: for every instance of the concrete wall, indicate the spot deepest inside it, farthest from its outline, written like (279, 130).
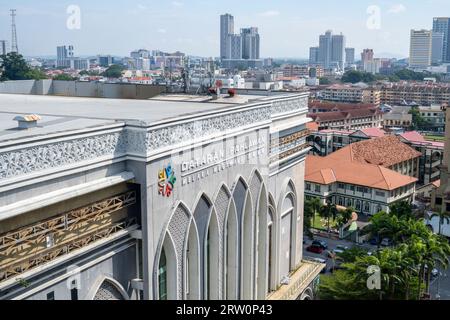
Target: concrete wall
(81, 89)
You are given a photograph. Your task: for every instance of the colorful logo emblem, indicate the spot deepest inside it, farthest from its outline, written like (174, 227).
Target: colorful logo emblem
(166, 181)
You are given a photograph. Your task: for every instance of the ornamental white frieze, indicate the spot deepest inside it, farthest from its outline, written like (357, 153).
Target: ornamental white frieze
(133, 141)
(59, 154)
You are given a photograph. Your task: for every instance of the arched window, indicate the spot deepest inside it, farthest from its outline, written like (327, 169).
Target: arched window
(162, 276)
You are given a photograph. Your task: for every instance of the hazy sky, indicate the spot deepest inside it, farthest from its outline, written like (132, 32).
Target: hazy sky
(287, 27)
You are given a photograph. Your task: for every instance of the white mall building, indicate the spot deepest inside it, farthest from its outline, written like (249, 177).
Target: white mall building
(174, 197)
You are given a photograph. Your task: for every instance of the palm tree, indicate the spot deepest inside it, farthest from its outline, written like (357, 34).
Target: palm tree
(328, 211)
(316, 205)
(443, 217)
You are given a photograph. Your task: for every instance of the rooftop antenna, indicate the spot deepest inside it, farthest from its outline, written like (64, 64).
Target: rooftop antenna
(14, 46)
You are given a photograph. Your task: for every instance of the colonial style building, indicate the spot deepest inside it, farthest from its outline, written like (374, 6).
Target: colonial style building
(368, 188)
(176, 197)
(431, 153)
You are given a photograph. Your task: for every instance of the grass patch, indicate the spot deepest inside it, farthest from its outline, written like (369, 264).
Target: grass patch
(435, 138)
(321, 224)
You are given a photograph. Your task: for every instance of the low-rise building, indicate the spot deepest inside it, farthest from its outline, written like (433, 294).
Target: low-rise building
(432, 155)
(420, 93)
(435, 116)
(353, 119)
(325, 142)
(368, 188)
(352, 93)
(399, 117)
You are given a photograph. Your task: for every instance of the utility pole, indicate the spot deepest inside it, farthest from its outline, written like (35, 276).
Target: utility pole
(14, 46)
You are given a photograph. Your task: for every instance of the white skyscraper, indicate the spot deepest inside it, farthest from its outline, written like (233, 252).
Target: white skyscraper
(437, 50)
(442, 25)
(420, 48)
(325, 43)
(338, 51)
(349, 56)
(250, 43)
(331, 50)
(226, 29)
(313, 55)
(64, 55)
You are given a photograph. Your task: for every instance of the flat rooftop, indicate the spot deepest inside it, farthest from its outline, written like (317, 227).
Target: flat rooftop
(61, 114)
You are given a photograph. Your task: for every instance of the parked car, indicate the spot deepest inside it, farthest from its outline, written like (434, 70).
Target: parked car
(374, 241)
(341, 247)
(315, 248)
(321, 243)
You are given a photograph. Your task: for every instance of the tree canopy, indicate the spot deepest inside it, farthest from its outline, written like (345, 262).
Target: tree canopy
(114, 71)
(14, 67)
(404, 269)
(354, 76)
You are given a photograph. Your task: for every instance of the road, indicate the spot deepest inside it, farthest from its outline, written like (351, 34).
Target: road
(440, 286)
(332, 244)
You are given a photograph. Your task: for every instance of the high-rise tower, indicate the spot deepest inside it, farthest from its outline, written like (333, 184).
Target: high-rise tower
(14, 45)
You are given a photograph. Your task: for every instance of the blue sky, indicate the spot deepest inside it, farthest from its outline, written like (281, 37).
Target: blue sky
(287, 27)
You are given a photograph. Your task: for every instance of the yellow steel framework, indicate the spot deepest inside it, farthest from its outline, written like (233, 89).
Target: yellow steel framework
(37, 244)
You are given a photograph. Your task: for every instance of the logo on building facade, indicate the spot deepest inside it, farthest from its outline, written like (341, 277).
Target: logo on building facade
(166, 181)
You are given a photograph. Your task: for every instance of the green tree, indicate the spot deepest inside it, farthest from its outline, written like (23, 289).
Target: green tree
(114, 71)
(328, 212)
(418, 121)
(401, 209)
(344, 216)
(355, 76)
(14, 67)
(36, 74)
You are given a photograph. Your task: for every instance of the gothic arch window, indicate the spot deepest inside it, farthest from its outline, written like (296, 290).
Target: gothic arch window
(173, 245)
(109, 289)
(192, 283)
(162, 276)
(231, 254)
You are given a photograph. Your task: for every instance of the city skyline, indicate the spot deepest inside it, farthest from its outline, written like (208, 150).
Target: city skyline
(41, 27)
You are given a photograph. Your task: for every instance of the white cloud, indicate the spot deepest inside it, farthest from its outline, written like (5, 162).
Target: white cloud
(397, 8)
(270, 13)
(141, 7)
(177, 3)
(162, 30)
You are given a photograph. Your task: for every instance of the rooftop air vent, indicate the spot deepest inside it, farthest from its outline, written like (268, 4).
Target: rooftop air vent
(27, 121)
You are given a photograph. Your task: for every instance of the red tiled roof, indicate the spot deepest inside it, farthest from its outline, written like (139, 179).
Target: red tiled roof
(373, 132)
(327, 170)
(324, 105)
(385, 151)
(341, 115)
(312, 126)
(413, 136)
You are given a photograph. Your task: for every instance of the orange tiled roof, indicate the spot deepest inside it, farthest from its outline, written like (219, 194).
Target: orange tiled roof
(385, 151)
(327, 170)
(312, 126)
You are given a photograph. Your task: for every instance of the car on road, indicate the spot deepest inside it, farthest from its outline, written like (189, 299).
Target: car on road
(315, 249)
(333, 253)
(321, 243)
